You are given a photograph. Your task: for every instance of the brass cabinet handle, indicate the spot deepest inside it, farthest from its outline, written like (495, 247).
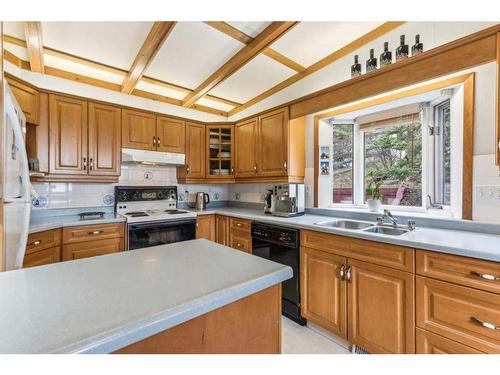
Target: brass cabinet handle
(342, 272)
(154, 141)
(232, 170)
(485, 324)
(285, 165)
(94, 232)
(239, 224)
(84, 164)
(187, 168)
(485, 276)
(348, 274)
(255, 167)
(238, 244)
(35, 243)
(91, 163)
(158, 141)
(197, 225)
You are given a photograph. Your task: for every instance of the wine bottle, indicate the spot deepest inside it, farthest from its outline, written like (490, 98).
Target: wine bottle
(386, 56)
(402, 50)
(355, 68)
(417, 47)
(371, 63)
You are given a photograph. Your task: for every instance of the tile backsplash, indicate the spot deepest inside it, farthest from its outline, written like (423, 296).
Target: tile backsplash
(53, 195)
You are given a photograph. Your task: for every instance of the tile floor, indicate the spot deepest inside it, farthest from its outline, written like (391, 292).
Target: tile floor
(297, 339)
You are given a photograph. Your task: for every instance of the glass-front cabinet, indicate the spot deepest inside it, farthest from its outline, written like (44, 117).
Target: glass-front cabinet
(220, 147)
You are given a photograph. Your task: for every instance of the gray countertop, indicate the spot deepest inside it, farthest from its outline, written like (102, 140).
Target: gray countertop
(53, 222)
(466, 243)
(101, 304)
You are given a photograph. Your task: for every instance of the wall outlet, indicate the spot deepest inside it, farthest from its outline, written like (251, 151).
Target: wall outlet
(487, 193)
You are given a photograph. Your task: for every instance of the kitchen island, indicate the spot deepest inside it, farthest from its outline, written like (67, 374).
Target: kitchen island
(189, 297)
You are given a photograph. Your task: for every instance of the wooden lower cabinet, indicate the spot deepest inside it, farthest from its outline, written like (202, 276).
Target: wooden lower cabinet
(41, 257)
(222, 229)
(240, 236)
(88, 249)
(430, 343)
(323, 290)
(205, 227)
(381, 308)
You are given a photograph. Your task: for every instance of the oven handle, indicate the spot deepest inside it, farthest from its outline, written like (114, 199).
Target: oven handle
(161, 224)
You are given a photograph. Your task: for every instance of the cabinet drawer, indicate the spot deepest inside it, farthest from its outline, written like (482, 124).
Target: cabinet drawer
(92, 248)
(241, 241)
(41, 257)
(43, 240)
(480, 274)
(383, 254)
(456, 312)
(92, 232)
(430, 343)
(240, 224)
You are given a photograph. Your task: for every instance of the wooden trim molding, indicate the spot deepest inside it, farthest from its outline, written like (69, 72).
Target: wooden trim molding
(155, 39)
(497, 137)
(34, 43)
(347, 49)
(272, 33)
(240, 36)
(472, 50)
(468, 130)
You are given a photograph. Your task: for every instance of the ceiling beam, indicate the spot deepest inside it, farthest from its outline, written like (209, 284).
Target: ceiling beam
(272, 33)
(34, 44)
(347, 49)
(108, 68)
(234, 33)
(155, 39)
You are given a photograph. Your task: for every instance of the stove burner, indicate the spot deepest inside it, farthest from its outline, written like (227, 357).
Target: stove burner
(173, 212)
(136, 213)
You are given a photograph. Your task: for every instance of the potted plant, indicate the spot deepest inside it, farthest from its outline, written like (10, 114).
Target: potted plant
(373, 196)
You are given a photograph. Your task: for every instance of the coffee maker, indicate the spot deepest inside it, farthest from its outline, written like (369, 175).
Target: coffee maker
(289, 200)
(268, 202)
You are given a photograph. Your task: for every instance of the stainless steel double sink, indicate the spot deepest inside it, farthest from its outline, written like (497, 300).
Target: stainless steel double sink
(364, 226)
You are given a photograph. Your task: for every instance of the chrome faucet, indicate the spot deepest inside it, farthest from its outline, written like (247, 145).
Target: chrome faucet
(387, 215)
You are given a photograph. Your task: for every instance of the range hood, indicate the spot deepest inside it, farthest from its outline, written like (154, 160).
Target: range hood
(132, 156)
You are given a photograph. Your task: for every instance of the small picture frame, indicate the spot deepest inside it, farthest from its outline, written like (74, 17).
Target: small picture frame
(324, 168)
(324, 153)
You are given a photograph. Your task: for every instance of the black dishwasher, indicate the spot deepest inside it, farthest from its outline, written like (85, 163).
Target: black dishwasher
(281, 245)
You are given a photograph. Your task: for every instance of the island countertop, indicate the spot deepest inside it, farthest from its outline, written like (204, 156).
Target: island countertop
(104, 303)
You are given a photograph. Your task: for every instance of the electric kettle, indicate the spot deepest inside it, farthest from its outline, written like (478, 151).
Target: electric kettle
(202, 199)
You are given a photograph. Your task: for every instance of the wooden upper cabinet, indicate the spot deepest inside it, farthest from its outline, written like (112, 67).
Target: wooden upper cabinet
(381, 308)
(245, 145)
(28, 99)
(68, 135)
(272, 144)
(323, 290)
(104, 140)
(195, 150)
(170, 134)
(220, 151)
(138, 130)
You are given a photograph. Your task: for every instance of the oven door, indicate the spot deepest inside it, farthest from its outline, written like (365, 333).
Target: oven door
(159, 233)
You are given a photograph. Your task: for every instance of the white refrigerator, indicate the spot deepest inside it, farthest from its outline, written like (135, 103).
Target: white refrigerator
(16, 183)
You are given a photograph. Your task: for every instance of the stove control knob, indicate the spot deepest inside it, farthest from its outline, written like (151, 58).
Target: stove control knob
(161, 195)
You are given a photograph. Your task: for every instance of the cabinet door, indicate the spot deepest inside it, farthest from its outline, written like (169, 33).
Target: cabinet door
(430, 343)
(222, 229)
(105, 132)
(381, 308)
(272, 144)
(245, 138)
(170, 134)
(39, 258)
(324, 290)
(68, 135)
(28, 100)
(138, 130)
(195, 150)
(205, 227)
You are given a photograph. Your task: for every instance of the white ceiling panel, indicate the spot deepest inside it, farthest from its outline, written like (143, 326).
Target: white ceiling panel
(251, 28)
(192, 52)
(255, 77)
(160, 90)
(111, 43)
(19, 51)
(82, 69)
(215, 104)
(309, 42)
(15, 29)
